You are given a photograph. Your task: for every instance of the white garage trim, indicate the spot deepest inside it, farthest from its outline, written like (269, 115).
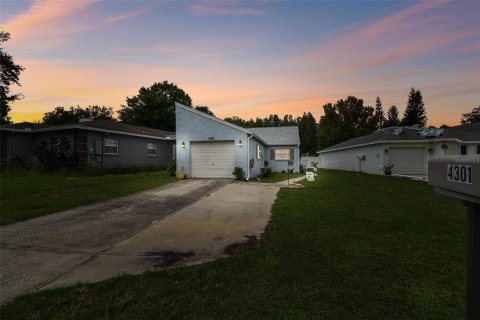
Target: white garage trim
(212, 159)
(407, 160)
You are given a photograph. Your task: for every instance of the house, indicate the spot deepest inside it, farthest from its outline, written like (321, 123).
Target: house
(208, 147)
(97, 143)
(407, 148)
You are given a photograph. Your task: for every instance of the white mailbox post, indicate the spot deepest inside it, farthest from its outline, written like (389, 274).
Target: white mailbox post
(459, 177)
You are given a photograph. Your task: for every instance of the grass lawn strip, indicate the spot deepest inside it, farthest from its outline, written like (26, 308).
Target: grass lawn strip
(28, 194)
(348, 246)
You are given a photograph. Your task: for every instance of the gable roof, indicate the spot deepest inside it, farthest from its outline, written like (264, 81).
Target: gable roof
(94, 125)
(281, 136)
(466, 133)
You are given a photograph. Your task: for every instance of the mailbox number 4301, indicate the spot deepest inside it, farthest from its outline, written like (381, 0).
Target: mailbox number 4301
(459, 173)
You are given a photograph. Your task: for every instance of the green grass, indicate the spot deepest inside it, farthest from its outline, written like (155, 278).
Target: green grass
(276, 177)
(29, 194)
(349, 246)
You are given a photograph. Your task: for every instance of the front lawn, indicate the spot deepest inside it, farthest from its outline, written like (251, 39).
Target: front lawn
(348, 246)
(28, 194)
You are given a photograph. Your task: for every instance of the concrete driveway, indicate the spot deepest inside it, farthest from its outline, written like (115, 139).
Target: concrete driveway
(184, 223)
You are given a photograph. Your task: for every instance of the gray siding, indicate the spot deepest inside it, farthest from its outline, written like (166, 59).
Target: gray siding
(257, 163)
(192, 127)
(131, 151)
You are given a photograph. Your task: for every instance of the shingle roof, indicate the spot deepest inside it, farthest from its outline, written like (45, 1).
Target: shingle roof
(468, 132)
(96, 125)
(278, 135)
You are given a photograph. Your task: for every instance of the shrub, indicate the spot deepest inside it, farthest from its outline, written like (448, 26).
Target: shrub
(302, 169)
(54, 154)
(265, 172)
(239, 173)
(172, 166)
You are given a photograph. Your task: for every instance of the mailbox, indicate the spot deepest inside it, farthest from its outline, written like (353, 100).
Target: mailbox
(459, 177)
(456, 176)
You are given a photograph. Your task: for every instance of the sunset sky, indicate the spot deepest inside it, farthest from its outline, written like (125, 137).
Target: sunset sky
(246, 58)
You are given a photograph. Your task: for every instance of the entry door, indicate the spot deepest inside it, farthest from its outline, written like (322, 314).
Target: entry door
(407, 160)
(212, 159)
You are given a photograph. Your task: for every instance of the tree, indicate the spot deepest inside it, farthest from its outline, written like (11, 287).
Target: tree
(236, 120)
(154, 107)
(471, 117)
(392, 117)
(307, 130)
(204, 109)
(415, 112)
(9, 74)
(379, 115)
(60, 115)
(344, 120)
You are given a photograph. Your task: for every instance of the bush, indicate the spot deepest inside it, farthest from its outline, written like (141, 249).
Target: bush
(265, 172)
(302, 169)
(172, 166)
(239, 173)
(54, 154)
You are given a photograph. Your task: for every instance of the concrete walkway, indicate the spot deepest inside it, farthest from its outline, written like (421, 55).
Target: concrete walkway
(197, 232)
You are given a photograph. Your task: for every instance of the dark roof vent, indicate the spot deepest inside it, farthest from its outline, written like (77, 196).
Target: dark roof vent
(85, 120)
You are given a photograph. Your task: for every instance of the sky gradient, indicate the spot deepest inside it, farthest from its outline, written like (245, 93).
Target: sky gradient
(246, 58)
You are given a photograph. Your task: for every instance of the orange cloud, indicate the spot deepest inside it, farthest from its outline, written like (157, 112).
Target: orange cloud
(46, 20)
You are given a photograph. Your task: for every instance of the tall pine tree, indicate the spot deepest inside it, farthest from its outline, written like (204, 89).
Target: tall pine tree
(379, 115)
(415, 112)
(392, 117)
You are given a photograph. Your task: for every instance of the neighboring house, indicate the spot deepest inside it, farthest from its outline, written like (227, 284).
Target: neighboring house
(208, 147)
(98, 143)
(407, 148)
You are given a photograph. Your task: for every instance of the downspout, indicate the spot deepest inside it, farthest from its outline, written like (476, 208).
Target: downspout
(248, 156)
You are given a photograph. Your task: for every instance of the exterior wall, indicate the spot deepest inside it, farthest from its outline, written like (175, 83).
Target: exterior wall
(347, 159)
(257, 163)
(131, 151)
(192, 127)
(17, 144)
(281, 165)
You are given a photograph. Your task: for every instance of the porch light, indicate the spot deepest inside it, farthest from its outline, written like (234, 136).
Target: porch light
(183, 145)
(240, 143)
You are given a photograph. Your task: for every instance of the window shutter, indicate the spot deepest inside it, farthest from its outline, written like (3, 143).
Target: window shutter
(272, 154)
(292, 154)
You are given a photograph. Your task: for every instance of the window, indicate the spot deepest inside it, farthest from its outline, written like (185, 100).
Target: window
(463, 149)
(478, 148)
(282, 154)
(152, 149)
(110, 146)
(258, 152)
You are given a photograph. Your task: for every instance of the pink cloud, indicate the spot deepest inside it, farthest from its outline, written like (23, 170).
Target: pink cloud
(44, 20)
(216, 8)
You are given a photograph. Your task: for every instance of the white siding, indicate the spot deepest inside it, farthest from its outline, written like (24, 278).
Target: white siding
(212, 159)
(348, 159)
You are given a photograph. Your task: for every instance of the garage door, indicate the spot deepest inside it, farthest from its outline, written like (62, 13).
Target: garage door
(407, 160)
(212, 159)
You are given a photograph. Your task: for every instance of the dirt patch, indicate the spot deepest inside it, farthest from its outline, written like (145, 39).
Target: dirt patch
(165, 259)
(251, 244)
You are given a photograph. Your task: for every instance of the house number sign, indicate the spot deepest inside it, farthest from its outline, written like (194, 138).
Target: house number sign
(459, 173)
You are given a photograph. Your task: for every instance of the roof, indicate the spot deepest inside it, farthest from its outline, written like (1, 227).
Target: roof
(278, 135)
(93, 125)
(465, 133)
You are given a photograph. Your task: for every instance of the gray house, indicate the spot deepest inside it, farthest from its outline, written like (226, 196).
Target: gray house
(97, 143)
(208, 147)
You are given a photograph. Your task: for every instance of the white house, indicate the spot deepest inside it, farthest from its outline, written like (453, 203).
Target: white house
(407, 148)
(208, 147)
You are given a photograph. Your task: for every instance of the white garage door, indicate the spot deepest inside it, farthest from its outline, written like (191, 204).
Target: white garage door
(212, 159)
(407, 160)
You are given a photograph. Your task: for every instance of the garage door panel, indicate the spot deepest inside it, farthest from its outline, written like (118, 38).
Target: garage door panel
(212, 159)
(407, 160)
